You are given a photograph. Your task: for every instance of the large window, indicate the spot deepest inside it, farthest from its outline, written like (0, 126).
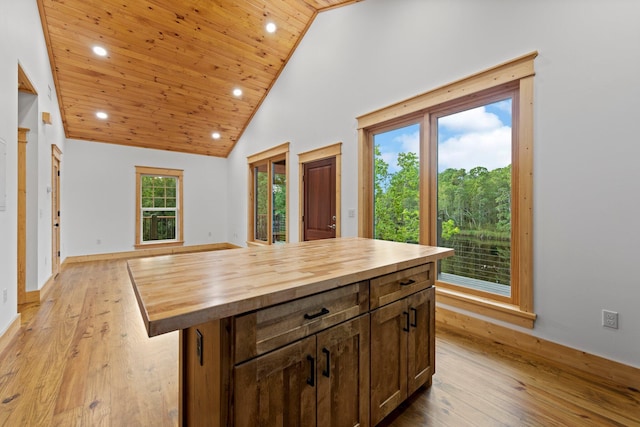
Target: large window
(453, 167)
(159, 207)
(268, 196)
(473, 200)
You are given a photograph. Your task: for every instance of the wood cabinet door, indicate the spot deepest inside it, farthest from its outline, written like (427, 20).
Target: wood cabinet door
(389, 331)
(343, 374)
(421, 339)
(278, 389)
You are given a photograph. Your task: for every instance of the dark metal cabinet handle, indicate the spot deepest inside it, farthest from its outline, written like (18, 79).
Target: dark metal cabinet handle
(327, 370)
(318, 314)
(408, 282)
(199, 346)
(406, 316)
(312, 371)
(415, 317)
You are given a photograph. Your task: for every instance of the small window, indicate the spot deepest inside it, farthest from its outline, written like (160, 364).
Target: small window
(268, 222)
(158, 206)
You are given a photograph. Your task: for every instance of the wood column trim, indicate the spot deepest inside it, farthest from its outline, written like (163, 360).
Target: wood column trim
(22, 215)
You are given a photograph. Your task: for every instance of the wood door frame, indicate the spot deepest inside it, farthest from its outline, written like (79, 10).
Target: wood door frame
(56, 159)
(334, 150)
(22, 217)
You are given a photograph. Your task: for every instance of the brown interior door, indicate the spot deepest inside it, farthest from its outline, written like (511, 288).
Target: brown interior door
(320, 199)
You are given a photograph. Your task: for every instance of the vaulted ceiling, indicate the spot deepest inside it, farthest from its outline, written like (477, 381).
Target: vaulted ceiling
(171, 66)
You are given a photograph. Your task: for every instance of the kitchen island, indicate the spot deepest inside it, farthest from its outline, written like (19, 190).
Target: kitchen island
(329, 332)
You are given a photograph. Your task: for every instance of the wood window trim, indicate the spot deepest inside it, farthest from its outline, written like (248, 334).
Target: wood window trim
(177, 173)
(334, 150)
(518, 72)
(276, 153)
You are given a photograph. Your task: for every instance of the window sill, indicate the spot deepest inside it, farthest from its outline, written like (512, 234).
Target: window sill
(486, 307)
(150, 245)
(257, 244)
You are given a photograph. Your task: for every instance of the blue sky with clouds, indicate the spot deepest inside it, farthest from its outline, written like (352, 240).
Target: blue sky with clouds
(477, 137)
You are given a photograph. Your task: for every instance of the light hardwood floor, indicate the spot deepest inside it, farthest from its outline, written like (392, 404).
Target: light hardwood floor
(83, 358)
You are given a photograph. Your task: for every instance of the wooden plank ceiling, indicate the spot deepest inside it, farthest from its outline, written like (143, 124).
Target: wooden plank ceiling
(171, 66)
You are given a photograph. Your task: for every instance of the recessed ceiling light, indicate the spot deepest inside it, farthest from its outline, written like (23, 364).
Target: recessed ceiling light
(100, 51)
(237, 92)
(271, 27)
(102, 115)
(215, 135)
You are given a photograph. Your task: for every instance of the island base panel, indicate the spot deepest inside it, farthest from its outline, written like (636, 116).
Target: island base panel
(205, 374)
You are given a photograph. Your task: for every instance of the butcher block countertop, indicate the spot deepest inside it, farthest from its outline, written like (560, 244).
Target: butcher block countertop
(179, 291)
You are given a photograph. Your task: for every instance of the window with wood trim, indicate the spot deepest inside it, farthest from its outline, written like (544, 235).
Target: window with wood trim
(453, 167)
(268, 196)
(159, 214)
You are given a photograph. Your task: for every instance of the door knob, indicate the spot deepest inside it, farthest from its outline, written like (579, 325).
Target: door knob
(332, 226)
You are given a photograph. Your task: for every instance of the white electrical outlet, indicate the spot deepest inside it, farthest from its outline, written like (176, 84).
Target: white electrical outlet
(610, 319)
(5, 296)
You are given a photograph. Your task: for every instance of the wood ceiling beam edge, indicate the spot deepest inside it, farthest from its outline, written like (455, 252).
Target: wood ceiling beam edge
(332, 5)
(190, 150)
(24, 84)
(145, 138)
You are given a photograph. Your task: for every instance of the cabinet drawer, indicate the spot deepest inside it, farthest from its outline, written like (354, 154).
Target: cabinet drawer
(272, 327)
(392, 287)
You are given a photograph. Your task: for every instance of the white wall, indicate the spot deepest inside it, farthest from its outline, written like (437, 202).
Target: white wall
(98, 199)
(22, 41)
(362, 57)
